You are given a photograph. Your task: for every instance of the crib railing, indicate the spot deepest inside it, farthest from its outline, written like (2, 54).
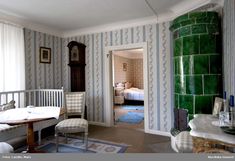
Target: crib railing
(37, 97)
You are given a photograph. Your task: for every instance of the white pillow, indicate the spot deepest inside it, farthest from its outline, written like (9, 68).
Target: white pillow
(128, 85)
(120, 85)
(7, 106)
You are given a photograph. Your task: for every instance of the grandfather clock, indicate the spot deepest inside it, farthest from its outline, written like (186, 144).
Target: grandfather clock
(77, 65)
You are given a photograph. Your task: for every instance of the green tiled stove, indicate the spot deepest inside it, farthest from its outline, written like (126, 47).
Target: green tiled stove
(197, 61)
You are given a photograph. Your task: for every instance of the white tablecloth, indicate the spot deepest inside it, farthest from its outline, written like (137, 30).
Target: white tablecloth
(30, 113)
(204, 126)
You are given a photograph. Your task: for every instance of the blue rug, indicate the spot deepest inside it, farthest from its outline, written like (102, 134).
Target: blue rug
(131, 118)
(131, 107)
(76, 145)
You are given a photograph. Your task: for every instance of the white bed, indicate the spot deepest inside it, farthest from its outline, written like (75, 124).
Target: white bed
(134, 94)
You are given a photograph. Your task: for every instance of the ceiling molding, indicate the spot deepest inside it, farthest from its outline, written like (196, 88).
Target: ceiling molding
(22, 22)
(179, 9)
(117, 25)
(188, 6)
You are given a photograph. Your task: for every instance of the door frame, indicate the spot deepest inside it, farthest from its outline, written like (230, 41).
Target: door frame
(108, 111)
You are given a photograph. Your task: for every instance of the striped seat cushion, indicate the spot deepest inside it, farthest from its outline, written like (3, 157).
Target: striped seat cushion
(6, 148)
(72, 125)
(184, 142)
(6, 127)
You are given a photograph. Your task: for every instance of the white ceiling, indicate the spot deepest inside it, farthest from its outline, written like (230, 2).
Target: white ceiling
(71, 15)
(130, 54)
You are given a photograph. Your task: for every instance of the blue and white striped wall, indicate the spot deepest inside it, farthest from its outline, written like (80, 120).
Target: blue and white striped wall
(57, 74)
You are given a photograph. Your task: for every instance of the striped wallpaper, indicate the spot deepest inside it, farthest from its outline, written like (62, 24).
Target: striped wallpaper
(57, 74)
(229, 46)
(40, 75)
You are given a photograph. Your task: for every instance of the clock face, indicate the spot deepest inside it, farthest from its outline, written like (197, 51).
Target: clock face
(75, 53)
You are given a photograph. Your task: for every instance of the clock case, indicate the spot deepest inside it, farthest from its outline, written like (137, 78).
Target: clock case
(77, 65)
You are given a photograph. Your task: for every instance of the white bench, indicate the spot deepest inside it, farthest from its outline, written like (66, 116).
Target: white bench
(24, 98)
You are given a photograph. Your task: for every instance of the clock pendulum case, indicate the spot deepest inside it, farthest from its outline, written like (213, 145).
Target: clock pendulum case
(77, 65)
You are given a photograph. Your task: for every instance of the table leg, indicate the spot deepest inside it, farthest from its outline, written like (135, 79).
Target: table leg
(30, 138)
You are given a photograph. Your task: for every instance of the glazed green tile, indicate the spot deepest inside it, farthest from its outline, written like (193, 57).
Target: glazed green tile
(176, 34)
(181, 18)
(203, 20)
(213, 28)
(176, 100)
(190, 116)
(191, 45)
(198, 29)
(187, 22)
(218, 44)
(184, 31)
(207, 44)
(186, 102)
(203, 104)
(180, 84)
(186, 65)
(178, 47)
(214, 20)
(176, 65)
(194, 85)
(201, 64)
(212, 84)
(215, 64)
(197, 14)
(212, 14)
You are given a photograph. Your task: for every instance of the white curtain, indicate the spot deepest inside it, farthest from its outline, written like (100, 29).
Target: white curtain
(12, 58)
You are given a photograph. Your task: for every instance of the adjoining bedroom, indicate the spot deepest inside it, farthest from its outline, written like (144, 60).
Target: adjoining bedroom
(128, 84)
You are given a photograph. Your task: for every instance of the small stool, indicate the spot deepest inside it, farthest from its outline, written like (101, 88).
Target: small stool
(6, 148)
(184, 142)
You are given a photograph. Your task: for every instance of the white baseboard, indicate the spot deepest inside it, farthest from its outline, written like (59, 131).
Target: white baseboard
(157, 132)
(97, 123)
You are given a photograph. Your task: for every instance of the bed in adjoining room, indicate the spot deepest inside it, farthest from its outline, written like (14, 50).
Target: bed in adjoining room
(134, 94)
(131, 95)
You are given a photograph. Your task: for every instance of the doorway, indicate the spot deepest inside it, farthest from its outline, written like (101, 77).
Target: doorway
(128, 85)
(111, 84)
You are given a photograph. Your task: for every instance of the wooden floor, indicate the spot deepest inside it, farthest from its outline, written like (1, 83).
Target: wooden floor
(137, 140)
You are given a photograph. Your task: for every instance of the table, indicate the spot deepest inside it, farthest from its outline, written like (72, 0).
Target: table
(30, 131)
(207, 137)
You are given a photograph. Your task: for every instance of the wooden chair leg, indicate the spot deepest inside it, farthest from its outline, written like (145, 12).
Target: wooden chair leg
(86, 140)
(57, 140)
(83, 137)
(66, 138)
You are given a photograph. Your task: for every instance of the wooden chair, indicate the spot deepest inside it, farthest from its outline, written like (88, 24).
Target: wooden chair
(74, 105)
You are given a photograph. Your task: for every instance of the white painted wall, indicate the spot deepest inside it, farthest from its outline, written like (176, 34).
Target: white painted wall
(229, 46)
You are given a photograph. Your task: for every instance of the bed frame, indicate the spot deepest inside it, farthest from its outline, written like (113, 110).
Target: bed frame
(37, 97)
